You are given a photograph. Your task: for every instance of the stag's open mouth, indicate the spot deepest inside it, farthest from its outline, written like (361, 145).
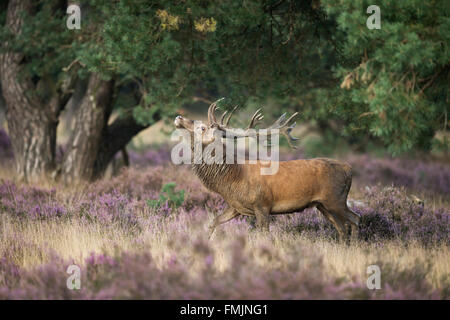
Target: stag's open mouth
(177, 122)
(183, 123)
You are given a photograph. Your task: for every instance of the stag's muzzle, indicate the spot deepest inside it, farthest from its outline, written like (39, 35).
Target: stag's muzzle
(178, 121)
(183, 123)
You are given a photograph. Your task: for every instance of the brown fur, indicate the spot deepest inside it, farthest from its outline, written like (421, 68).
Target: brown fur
(298, 184)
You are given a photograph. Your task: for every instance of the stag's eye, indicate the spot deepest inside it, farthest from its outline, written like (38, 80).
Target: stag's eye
(203, 129)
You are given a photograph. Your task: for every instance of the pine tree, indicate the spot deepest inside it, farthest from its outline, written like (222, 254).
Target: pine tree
(151, 55)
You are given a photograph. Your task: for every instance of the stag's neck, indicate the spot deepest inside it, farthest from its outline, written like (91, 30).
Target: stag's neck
(217, 176)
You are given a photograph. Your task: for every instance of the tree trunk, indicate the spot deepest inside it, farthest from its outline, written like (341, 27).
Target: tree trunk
(90, 120)
(94, 143)
(32, 121)
(33, 141)
(114, 139)
(31, 127)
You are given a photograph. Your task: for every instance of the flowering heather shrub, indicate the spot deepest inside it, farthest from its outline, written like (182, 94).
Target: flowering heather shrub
(388, 214)
(108, 208)
(129, 275)
(189, 267)
(145, 184)
(134, 183)
(190, 270)
(9, 273)
(154, 156)
(413, 174)
(408, 284)
(30, 202)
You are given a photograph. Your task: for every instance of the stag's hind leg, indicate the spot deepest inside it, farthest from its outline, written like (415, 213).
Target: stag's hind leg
(226, 216)
(354, 219)
(348, 218)
(334, 219)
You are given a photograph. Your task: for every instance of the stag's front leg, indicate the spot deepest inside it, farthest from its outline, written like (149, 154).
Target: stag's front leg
(262, 219)
(226, 216)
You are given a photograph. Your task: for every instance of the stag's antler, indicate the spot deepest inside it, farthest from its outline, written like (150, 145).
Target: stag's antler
(281, 124)
(257, 117)
(225, 121)
(211, 110)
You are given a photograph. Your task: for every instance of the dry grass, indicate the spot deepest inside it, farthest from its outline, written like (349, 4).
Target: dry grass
(76, 240)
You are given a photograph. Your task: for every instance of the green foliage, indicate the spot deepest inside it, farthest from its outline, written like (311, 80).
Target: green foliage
(442, 145)
(46, 45)
(395, 79)
(168, 195)
(237, 49)
(326, 145)
(318, 58)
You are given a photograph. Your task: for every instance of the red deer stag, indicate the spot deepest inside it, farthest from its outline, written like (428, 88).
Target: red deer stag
(298, 184)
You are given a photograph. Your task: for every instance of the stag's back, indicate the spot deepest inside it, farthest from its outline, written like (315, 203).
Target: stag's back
(299, 183)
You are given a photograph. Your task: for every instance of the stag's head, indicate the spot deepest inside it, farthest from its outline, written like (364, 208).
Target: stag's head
(197, 129)
(206, 132)
(215, 129)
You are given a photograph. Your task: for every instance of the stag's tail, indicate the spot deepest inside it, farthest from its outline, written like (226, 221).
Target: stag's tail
(352, 216)
(348, 172)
